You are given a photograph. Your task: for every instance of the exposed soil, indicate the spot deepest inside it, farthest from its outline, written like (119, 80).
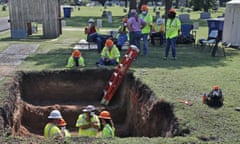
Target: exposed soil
(135, 109)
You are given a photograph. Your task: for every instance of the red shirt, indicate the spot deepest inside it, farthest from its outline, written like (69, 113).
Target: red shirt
(92, 30)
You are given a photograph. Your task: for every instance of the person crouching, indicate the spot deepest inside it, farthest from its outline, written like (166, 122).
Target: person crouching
(75, 59)
(109, 55)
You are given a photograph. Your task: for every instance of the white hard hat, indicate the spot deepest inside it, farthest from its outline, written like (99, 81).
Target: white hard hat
(55, 114)
(91, 20)
(83, 41)
(89, 108)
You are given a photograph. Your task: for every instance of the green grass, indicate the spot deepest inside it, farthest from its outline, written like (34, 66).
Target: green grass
(194, 73)
(3, 13)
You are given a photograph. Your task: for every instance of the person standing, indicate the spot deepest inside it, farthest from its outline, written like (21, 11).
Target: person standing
(88, 122)
(51, 130)
(147, 17)
(173, 28)
(135, 25)
(107, 126)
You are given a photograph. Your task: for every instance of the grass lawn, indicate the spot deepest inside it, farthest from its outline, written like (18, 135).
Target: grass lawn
(192, 74)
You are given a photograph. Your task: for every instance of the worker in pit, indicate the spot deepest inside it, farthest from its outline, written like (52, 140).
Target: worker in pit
(107, 126)
(109, 55)
(51, 130)
(62, 125)
(75, 59)
(88, 122)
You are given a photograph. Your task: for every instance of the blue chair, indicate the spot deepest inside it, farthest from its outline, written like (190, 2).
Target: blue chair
(186, 37)
(186, 30)
(211, 40)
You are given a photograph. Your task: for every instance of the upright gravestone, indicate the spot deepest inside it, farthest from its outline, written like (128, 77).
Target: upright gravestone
(109, 16)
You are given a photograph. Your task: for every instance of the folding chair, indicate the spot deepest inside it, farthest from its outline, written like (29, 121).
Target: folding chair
(186, 37)
(210, 41)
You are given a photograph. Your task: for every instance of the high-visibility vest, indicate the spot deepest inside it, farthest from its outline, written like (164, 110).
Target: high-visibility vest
(91, 132)
(71, 62)
(113, 54)
(148, 19)
(172, 28)
(66, 133)
(108, 131)
(120, 29)
(158, 28)
(52, 131)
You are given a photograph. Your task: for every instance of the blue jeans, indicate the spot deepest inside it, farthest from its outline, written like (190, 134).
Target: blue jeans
(104, 61)
(171, 42)
(95, 37)
(157, 34)
(145, 43)
(122, 38)
(135, 38)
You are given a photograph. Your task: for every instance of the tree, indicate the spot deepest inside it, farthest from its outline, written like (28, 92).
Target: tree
(168, 5)
(203, 4)
(102, 2)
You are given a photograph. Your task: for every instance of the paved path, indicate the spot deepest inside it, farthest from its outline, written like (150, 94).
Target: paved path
(4, 25)
(13, 56)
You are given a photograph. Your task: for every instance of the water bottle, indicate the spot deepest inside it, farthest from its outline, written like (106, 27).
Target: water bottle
(204, 98)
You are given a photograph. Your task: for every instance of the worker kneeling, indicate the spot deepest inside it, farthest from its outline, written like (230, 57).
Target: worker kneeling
(109, 55)
(215, 97)
(75, 59)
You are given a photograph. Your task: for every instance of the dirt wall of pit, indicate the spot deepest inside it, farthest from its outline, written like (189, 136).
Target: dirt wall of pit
(135, 109)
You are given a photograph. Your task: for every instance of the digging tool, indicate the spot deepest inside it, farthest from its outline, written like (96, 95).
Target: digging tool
(119, 73)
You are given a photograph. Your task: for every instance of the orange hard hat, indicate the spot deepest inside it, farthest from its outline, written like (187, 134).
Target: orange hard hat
(215, 87)
(125, 20)
(62, 122)
(76, 53)
(105, 115)
(144, 8)
(109, 43)
(172, 10)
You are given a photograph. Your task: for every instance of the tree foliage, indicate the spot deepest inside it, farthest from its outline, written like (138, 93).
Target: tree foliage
(202, 4)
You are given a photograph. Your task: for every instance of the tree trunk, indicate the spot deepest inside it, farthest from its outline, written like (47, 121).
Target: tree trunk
(177, 4)
(133, 4)
(168, 5)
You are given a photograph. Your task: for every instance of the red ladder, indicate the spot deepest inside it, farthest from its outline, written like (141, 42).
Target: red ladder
(119, 73)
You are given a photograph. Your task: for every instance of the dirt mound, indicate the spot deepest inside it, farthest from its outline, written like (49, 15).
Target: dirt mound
(135, 110)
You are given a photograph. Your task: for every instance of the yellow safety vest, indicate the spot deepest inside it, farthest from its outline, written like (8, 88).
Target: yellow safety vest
(51, 131)
(172, 28)
(113, 54)
(148, 19)
(120, 28)
(91, 132)
(66, 133)
(108, 131)
(158, 28)
(71, 63)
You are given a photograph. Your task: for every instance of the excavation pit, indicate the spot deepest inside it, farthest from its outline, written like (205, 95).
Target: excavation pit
(135, 109)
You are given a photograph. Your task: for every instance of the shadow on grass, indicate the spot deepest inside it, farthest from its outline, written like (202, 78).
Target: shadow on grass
(187, 56)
